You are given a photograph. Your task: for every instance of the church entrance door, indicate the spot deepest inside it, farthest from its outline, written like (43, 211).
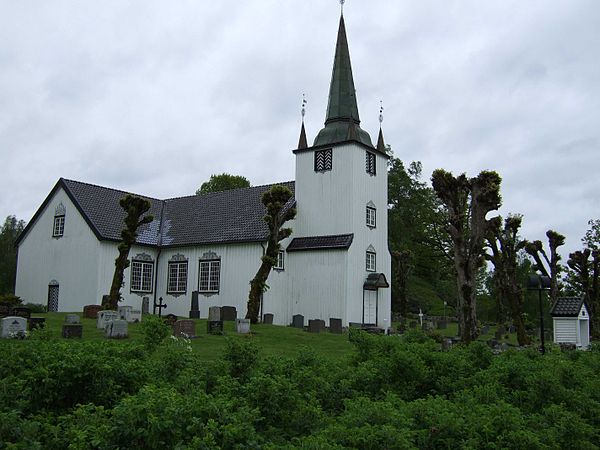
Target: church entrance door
(370, 307)
(53, 297)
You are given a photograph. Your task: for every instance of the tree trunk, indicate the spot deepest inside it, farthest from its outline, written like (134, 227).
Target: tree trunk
(121, 263)
(467, 320)
(257, 287)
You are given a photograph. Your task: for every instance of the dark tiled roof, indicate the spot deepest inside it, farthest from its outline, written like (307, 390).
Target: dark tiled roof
(320, 242)
(566, 307)
(221, 217)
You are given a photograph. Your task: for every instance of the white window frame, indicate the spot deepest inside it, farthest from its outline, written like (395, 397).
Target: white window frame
(209, 276)
(371, 261)
(280, 265)
(177, 277)
(323, 160)
(371, 219)
(371, 163)
(144, 281)
(58, 229)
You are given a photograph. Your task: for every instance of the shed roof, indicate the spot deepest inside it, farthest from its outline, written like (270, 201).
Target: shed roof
(337, 241)
(567, 307)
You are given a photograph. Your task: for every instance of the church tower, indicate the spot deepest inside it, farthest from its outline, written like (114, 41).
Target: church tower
(341, 189)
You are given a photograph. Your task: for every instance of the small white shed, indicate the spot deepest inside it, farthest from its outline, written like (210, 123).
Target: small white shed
(571, 322)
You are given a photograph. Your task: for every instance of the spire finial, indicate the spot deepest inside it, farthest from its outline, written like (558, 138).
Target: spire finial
(380, 112)
(303, 110)
(342, 6)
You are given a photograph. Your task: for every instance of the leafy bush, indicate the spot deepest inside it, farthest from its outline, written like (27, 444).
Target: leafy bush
(36, 308)
(11, 299)
(154, 331)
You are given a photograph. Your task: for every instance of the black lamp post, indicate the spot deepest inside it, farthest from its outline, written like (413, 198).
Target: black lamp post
(539, 283)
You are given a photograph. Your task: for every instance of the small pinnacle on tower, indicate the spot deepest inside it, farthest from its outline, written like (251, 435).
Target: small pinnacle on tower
(380, 142)
(302, 143)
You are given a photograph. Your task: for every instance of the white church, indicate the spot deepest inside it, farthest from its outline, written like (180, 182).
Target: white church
(336, 264)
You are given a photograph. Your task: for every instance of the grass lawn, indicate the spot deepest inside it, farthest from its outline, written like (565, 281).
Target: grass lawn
(271, 339)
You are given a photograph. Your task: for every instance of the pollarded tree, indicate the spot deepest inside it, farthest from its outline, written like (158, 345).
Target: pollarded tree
(584, 276)
(9, 233)
(467, 201)
(505, 245)
(275, 200)
(135, 207)
(539, 255)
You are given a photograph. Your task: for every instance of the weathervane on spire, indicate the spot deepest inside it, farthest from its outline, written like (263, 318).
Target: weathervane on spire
(303, 110)
(380, 112)
(342, 5)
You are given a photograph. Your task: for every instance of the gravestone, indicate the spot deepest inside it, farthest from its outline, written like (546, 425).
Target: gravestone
(117, 329)
(91, 311)
(335, 326)
(72, 330)
(214, 313)
(170, 319)
(504, 346)
(135, 316)
(125, 313)
(492, 343)
(298, 321)
(214, 327)
(268, 319)
(145, 305)
(442, 325)
(4, 309)
(72, 319)
(512, 329)
(228, 313)
(185, 328)
(412, 325)
(242, 326)
(36, 322)
(14, 327)
(485, 330)
(21, 311)
(195, 308)
(316, 326)
(104, 317)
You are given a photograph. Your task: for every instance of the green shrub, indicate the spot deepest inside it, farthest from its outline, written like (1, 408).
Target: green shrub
(36, 308)
(154, 331)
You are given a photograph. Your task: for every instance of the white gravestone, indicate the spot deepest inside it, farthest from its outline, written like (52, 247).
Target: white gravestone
(135, 315)
(116, 329)
(104, 317)
(13, 326)
(125, 313)
(72, 319)
(242, 326)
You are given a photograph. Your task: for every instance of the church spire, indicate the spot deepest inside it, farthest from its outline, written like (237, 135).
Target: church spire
(342, 95)
(302, 143)
(342, 123)
(380, 141)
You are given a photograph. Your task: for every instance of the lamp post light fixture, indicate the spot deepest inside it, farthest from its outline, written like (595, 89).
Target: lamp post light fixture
(539, 283)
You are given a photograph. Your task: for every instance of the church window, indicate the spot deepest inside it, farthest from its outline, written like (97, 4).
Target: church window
(370, 163)
(210, 274)
(371, 261)
(178, 270)
(323, 160)
(280, 261)
(58, 228)
(371, 217)
(141, 275)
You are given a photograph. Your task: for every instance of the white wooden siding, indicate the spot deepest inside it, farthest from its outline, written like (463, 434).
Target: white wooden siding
(565, 330)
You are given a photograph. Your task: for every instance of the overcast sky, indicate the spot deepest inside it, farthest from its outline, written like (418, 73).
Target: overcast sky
(154, 97)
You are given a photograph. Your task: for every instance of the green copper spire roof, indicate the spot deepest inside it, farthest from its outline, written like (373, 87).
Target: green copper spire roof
(342, 122)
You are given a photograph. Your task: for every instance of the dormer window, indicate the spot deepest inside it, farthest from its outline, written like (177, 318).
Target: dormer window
(370, 163)
(58, 228)
(323, 160)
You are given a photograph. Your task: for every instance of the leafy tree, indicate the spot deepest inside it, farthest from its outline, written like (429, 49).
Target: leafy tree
(536, 250)
(11, 230)
(467, 201)
(135, 207)
(222, 182)
(505, 244)
(275, 200)
(421, 272)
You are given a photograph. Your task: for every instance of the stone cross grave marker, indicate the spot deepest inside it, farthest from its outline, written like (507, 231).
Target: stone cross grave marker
(104, 317)
(185, 328)
(14, 326)
(116, 329)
